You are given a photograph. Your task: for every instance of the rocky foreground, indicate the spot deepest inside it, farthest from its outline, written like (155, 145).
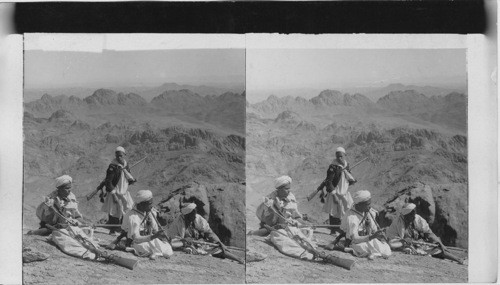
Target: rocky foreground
(399, 268)
(61, 268)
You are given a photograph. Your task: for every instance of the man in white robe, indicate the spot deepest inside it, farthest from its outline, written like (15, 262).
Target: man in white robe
(337, 199)
(363, 235)
(118, 199)
(64, 201)
(279, 204)
(143, 230)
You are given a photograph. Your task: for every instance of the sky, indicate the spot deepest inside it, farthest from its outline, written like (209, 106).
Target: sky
(53, 69)
(276, 69)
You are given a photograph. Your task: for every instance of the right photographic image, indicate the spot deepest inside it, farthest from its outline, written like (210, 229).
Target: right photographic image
(357, 165)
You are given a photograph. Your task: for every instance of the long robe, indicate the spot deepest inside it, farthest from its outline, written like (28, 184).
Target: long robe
(354, 224)
(282, 239)
(120, 191)
(332, 207)
(136, 225)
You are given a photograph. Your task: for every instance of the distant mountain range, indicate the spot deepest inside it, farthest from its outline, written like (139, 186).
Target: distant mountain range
(146, 92)
(226, 110)
(449, 110)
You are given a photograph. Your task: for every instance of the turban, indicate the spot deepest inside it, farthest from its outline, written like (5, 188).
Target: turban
(188, 208)
(340, 149)
(143, 195)
(63, 180)
(121, 149)
(361, 196)
(408, 208)
(283, 180)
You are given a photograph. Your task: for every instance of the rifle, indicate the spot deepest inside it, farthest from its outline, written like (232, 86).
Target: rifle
(320, 226)
(99, 188)
(313, 194)
(225, 249)
(306, 245)
(444, 252)
(85, 242)
(211, 244)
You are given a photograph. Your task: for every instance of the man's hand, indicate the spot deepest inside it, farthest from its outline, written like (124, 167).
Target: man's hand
(132, 181)
(380, 235)
(158, 234)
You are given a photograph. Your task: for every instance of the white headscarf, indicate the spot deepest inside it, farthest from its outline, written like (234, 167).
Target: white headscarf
(283, 180)
(121, 149)
(340, 149)
(188, 208)
(143, 195)
(361, 196)
(408, 208)
(63, 180)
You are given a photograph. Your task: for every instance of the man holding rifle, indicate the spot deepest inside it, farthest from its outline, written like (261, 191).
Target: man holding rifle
(408, 228)
(190, 225)
(144, 233)
(363, 235)
(118, 200)
(337, 198)
(61, 200)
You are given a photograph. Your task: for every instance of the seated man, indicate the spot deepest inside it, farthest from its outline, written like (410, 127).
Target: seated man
(143, 231)
(62, 201)
(190, 225)
(408, 228)
(363, 235)
(279, 207)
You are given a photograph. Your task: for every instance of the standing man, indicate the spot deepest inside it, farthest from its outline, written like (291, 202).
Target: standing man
(63, 201)
(362, 232)
(143, 231)
(337, 199)
(118, 200)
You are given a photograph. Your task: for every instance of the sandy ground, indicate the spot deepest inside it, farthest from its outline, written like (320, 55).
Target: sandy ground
(61, 268)
(278, 268)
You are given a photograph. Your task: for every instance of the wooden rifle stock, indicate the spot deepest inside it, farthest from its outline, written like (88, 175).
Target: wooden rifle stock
(85, 242)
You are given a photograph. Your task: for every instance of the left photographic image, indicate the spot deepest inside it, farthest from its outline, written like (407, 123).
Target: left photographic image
(133, 159)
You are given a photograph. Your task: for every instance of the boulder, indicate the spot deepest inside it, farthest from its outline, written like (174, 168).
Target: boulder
(222, 205)
(444, 207)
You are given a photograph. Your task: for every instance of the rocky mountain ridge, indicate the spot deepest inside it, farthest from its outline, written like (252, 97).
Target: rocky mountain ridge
(404, 151)
(449, 110)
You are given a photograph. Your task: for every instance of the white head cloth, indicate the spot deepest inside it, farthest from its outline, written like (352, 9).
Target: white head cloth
(188, 208)
(408, 208)
(340, 149)
(121, 149)
(283, 180)
(143, 195)
(361, 196)
(62, 180)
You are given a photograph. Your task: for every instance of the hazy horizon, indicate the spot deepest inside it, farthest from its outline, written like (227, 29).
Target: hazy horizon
(275, 70)
(70, 69)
